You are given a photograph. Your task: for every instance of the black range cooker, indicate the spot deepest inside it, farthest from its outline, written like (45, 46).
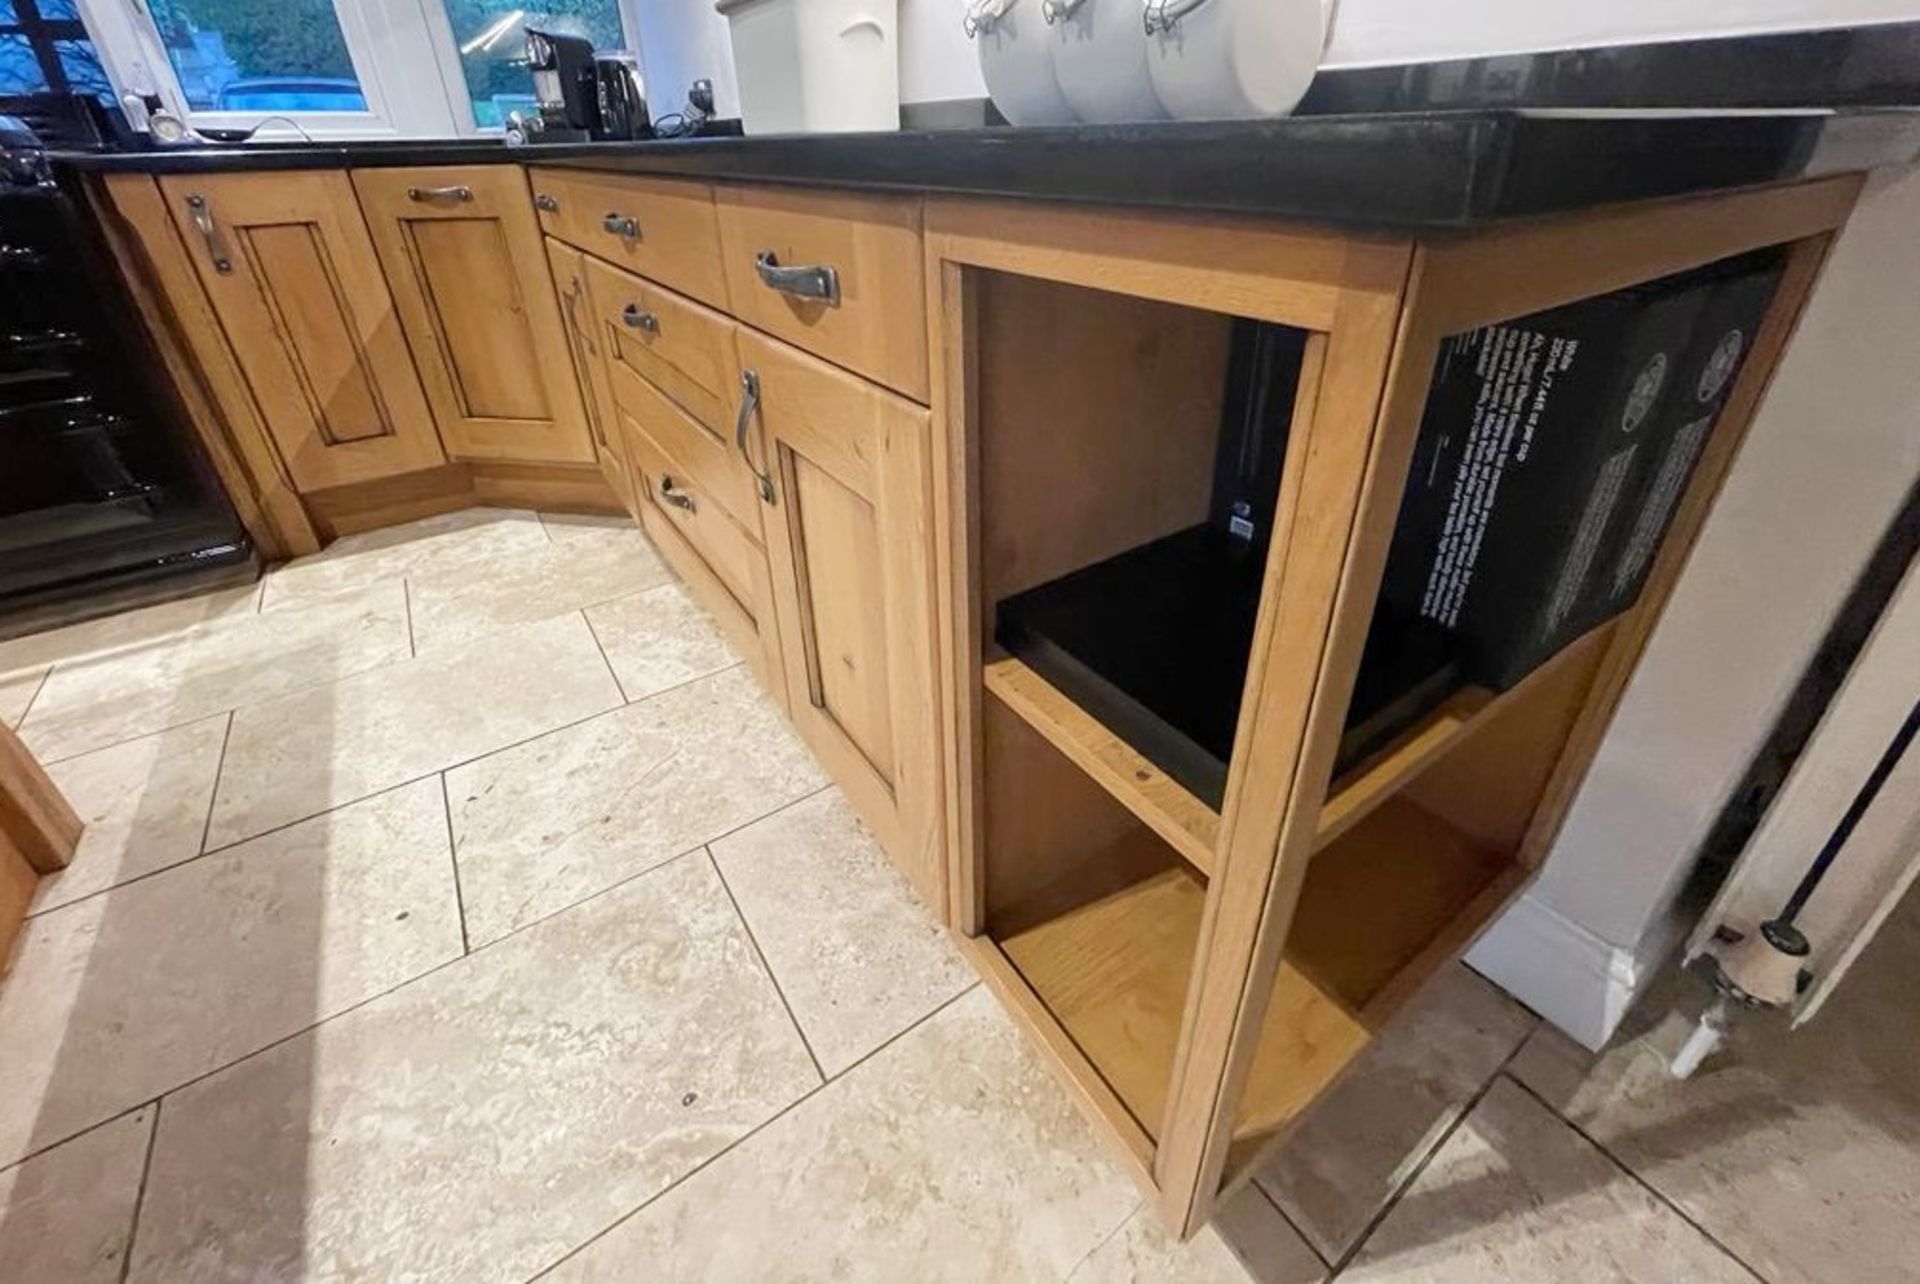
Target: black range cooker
(105, 500)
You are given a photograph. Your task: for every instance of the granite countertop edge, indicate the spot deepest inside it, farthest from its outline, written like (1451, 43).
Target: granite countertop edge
(1390, 171)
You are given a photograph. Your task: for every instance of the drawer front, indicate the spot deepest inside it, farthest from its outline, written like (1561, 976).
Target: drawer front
(780, 245)
(661, 228)
(677, 494)
(681, 348)
(707, 456)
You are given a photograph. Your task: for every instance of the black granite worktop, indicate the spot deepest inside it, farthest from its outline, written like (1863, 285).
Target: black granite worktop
(1406, 170)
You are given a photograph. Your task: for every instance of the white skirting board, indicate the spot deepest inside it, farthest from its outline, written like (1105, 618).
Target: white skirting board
(1578, 981)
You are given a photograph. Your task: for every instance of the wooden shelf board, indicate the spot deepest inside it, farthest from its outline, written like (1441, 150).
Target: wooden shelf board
(1375, 909)
(1186, 823)
(1441, 731)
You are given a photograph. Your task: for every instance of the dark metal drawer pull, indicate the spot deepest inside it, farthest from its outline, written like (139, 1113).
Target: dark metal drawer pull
(750, 406)
(541, 201)
(674, 495)
(625, 226)
(459, 192)
(202, 214)
(634, 316)
(817, 282)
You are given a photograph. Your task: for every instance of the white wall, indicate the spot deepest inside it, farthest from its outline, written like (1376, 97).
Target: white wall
(1827, 461)
(937, 61)
(1367, 32)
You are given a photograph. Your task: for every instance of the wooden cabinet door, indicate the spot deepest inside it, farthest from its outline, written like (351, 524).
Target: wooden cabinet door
(590, 365)
(845, 513)
(462, 251)
(292, 275)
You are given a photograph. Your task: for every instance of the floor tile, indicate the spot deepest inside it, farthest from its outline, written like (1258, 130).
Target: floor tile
(952, 1154)
(584, 528)
(659, 639)
(17, 691)
(1518, 1196)
(127, 630)
(1355, 1148)
(541, 825)
(122, 996)
(856, 954)
(1800, 1151)
(140, 688)
(66, 1215)
(430, 546)
(481, 1122)
(457, 604)
(145, 807)
(316, 749)
(1140, 1252)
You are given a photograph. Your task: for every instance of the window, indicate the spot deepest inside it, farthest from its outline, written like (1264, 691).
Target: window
(333, 68)
(493, 54)
(244, 55)
(43, 47)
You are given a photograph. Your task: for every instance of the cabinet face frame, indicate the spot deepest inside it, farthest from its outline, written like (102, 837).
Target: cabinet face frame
(478, 308)
(301, 356)
(1380, 308)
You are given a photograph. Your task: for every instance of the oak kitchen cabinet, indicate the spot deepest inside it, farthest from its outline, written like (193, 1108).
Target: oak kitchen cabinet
(294, 280)
(842, 471)
(463, 255)
(569, 267)
(857, 423)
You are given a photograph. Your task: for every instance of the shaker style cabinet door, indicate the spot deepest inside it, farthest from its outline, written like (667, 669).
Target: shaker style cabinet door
(293, 278)
(462, 251)
(842, 472)
(576, 312)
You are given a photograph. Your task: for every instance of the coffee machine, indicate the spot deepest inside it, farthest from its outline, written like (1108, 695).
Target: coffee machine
(582, 95)
(564, 86)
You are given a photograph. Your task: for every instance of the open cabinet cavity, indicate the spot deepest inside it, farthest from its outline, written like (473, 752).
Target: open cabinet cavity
(1226, 791)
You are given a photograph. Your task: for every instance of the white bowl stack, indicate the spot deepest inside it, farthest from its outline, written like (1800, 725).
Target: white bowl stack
(1051, 62)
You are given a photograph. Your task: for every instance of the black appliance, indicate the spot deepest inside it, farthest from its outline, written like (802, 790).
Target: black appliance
(1155, 642)
(565, 85)
(104, 499)
(620, 98)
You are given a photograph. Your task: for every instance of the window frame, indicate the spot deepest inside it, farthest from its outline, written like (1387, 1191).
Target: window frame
(403, 52)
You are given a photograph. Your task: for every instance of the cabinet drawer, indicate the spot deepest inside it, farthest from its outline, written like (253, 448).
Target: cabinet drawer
(683, 349)
(874, 318)
(676, 493)
(705, 455)
(661, 228)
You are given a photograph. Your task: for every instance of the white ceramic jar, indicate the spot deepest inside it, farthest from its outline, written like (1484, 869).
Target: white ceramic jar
(1221, 59)
(1016, 61)
(1100, 59)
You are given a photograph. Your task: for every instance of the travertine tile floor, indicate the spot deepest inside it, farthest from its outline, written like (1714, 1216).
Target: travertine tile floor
(453, 907)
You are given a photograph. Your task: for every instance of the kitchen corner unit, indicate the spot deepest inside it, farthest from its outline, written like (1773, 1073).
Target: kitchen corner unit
(1199, 973)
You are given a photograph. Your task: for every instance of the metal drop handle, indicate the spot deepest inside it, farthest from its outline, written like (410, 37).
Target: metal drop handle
(541, 201)
(640, 319)
(1058, 10)
(674, 495)
(622, 225)
(1165, 15)
(749, 407)
(202, 214)
(815, 282)
(459, 192)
